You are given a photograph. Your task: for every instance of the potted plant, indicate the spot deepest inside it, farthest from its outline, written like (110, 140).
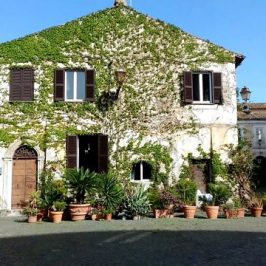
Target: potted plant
(256, 205)
(57, 210)
(80, 183)
(52, 191)
(162, 201)
(32, 207)
(220, 194)
(136, 202)
(234, 209)
(110, 194)
(264, 203)
(187, 190)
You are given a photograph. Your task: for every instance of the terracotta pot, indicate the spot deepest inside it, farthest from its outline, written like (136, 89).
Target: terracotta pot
(161, 213)
(32, 219)
(55, 217)
(240, 212)
(189, 211)
(212, 212)
(108, 217)
(78, 212)
(256, 212)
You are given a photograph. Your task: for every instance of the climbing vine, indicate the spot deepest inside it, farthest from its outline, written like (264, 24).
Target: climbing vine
(154, 55)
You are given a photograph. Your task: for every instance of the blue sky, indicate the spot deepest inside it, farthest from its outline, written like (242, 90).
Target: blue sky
(238, 25)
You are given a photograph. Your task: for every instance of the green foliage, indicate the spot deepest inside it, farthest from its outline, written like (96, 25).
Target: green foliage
(109, 191)
(89, 41)
(220, 193)
(136, 202)
(59, 206)
(33, 204)
(163, 198)
(186, 191)
(80, 182)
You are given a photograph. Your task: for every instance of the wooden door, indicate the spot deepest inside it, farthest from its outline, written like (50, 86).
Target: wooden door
(23, 181)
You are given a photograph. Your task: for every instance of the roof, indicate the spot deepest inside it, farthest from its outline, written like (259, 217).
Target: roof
(99, 26)
(257, 112)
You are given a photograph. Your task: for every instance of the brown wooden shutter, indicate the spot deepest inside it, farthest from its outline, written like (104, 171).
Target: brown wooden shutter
(59, 85)
(102, 154)
(188, 90)
(71, 151)
(21, 84)
(217, 88)
(90, 85)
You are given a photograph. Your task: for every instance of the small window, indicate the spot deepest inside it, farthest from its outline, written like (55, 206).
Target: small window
(21, 85)
(201, 87)
(141, 171)
(75, 85)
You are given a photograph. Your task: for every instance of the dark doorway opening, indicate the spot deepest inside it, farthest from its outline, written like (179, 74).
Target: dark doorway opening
(201, 174)
(259, 172)
(88, 152)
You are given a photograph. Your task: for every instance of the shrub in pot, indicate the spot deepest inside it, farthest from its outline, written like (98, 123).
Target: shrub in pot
(80, 183)
(220, 194)
(51, 190)
(109, 192)
(136, 202)
(256, 205)
(162, 201)
(234, 209)
(57, 210)
(187, 189)
(32, 207)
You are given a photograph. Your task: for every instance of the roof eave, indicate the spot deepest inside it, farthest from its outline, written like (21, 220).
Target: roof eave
(239, 59)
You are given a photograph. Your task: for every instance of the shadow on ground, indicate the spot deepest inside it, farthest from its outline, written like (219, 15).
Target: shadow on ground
(136, 248)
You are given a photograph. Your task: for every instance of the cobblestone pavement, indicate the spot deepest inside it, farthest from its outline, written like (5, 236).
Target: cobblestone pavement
(149, 241)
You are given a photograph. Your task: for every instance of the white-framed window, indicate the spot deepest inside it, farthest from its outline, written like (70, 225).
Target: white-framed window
(75, 86)
(141, 171)
(202, 87)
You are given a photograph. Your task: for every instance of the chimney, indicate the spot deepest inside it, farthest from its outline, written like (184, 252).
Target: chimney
(120, 2)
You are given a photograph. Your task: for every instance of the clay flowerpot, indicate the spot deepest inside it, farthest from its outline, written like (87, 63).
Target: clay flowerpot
(189, 211)
(161, 213)
(94, 217)
(78, 212)
(212, 212)
(108, 217)
(256, 212)
(32, 219)
(240, 213)
(56, 217)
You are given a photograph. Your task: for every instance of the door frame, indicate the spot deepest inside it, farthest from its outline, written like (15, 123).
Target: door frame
(7, 172)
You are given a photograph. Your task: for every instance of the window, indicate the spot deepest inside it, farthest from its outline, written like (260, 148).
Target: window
(141, 171)
(202, 87)
(21, 85)
(87, 151)
(74, 85)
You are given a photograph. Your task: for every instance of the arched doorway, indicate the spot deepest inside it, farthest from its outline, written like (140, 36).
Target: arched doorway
(259, 171)
(24, 175)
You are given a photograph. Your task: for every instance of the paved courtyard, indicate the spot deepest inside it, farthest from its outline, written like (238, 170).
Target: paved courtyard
(174, 241)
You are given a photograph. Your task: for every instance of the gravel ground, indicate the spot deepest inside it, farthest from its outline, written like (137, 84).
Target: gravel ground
(149, 241)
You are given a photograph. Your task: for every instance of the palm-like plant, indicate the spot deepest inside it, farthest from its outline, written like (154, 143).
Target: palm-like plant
(110, 192)
(80, 182)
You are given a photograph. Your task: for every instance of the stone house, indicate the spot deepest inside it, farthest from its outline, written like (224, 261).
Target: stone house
(252, 128)
(64, 104)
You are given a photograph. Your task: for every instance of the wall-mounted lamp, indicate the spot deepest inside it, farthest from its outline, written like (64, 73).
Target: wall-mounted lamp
(245, 95)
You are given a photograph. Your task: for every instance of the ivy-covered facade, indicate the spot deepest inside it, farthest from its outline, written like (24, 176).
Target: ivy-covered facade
(61, 105)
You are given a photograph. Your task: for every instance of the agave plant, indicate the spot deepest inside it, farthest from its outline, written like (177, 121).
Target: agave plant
(80, 182)
(136, 202)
